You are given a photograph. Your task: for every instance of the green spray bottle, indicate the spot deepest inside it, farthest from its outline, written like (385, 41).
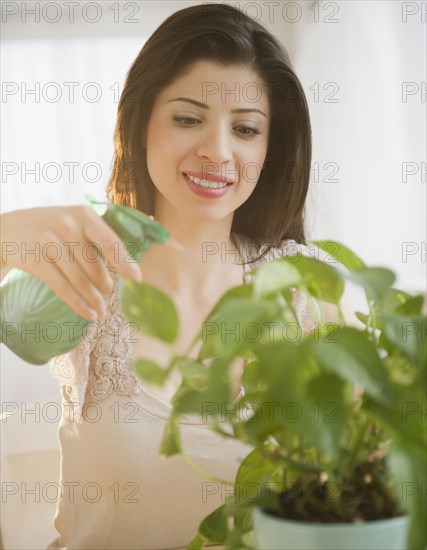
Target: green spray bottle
(34, 322)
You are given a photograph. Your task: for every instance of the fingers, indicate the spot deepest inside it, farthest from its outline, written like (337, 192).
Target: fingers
(91, 293)
(64, 269)
(68, 294)
(64, 247)
(85, 269)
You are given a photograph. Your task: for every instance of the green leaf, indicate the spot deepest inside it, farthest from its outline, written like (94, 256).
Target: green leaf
(376, 281)
(212, 402)
(285, 370)
(171, 441)
(195, 374)
(297, 398)
(343, 254)
(403, 421)
(150, 371)
(285, 367)
(255, 474)
(274, 276)
(240, 291)
(362, 317)
(188, 400)
(244, 520)
(327, 413)
(240, 540)
(392, 302)
(238, 324)
(251, 377)
(215, 527)
(408, 334)
(412, 306)
(256, 431)
(322, 280)
(354, 358)
(197, 543)
(152, 310)
(409, 470)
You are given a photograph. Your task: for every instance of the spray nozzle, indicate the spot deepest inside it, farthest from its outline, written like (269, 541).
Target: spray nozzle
(137, 230)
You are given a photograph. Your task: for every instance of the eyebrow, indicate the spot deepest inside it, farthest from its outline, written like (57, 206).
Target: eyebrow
(204, 106)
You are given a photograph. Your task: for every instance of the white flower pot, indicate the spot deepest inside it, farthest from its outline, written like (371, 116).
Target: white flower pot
(273, 533)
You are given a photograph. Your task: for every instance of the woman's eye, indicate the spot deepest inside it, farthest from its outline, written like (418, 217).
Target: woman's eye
(185, 120)
(188, 122)
(247, 132)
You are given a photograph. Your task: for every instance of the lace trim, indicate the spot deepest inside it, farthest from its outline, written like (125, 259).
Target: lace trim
(72, 372)
(102, 362)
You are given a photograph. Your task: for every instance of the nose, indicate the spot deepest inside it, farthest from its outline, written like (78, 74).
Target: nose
(215, 144)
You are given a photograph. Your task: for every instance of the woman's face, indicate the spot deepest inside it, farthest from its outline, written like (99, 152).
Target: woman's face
(211, 124)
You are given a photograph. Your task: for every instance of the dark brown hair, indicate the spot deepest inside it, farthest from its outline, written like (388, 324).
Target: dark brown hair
(219, 32)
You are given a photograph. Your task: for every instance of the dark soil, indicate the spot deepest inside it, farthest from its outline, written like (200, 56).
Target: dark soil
(362, 498)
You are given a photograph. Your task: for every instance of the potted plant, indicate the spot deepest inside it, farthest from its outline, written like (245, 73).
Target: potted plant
(339, 454)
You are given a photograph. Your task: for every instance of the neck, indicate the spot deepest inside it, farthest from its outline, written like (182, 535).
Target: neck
(196, 259)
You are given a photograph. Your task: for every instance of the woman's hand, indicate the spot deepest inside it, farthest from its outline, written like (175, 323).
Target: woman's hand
(57, 244)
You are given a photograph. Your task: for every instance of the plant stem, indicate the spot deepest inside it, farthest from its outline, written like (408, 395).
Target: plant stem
(341, 314)
(201, 472)
(278, 456)
(372, 323)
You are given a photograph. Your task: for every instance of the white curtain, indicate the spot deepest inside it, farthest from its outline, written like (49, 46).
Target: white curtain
(55, 152)
(60, 102)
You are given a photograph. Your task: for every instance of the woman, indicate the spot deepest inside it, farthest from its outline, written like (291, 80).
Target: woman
(213, 139)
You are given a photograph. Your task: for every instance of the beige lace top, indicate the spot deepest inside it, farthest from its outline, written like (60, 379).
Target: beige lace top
(117, 492)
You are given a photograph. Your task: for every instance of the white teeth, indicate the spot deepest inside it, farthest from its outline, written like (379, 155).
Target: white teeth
(207, 183)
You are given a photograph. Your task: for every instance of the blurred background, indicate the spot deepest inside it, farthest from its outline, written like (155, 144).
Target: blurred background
(363, 68)
(63, 64)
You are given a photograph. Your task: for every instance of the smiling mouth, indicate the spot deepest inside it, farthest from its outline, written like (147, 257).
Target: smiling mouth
(208, 183)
